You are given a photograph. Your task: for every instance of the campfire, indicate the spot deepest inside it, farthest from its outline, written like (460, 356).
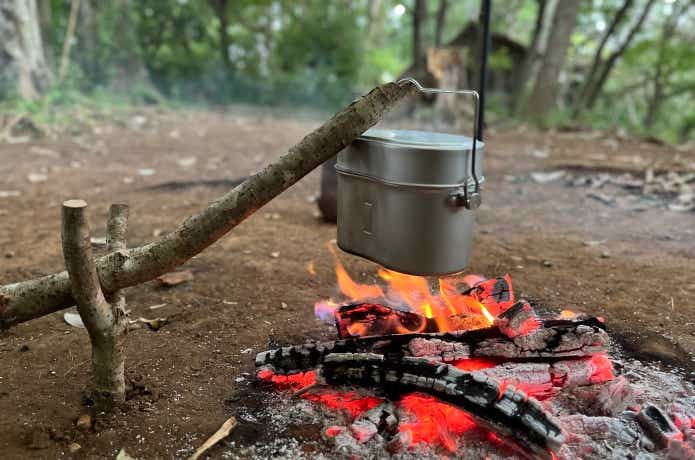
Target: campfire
(466, 363)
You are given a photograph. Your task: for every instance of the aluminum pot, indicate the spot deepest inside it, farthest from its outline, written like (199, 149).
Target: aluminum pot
(406, 199)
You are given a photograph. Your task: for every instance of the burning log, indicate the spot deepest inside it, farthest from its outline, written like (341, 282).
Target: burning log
(504, 410)
(553, 339)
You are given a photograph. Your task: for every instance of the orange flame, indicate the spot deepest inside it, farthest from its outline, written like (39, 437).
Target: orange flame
(447, 307)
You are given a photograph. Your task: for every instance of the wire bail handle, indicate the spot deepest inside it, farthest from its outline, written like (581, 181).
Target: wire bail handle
(471, 200)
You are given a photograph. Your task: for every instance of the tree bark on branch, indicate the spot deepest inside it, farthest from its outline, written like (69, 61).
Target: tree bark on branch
(30, 299)
(104, 322)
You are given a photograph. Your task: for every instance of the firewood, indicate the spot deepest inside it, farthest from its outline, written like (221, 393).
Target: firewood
(31, 299)
(554, 339)
(504, 410)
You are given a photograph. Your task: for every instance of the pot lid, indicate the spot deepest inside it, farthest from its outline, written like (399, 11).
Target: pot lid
(426, 140)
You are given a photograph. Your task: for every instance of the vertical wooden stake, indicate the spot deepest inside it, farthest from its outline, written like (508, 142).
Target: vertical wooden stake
(105, 322)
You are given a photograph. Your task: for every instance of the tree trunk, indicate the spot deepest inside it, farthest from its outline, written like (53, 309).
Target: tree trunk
(419, 15)
(87, 49)
(590, 79)
(600, 81)
(441, 19)
(22, 59)
(532, 53)
(546, 88)
(26, 300)
(658, 94)
(221, 11)
(46, 22)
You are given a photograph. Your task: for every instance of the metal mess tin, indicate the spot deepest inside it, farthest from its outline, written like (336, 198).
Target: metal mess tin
(406, 199)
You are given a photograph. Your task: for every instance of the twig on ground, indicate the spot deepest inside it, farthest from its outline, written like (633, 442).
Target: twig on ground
(219, 435)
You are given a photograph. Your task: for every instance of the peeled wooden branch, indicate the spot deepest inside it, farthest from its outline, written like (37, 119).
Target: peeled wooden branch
(105, 324)
(31, 299)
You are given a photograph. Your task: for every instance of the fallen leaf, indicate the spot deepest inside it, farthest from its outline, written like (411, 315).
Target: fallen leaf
(540, 177)
(84, 422)
(154, 324)
(186, 162)
(602, 197)
(593, 242)
(123, 455)
(9, 193)
(35, 178)
(175, 278)
(73, 319)
(678, 207)
(146, 172)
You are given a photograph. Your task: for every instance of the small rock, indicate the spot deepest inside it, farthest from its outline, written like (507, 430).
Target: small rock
(274, 255)
(84, 422)
(246, 351)
(547, 263)
(9, 254)
(605, 255)
(240, 379)
(74, 447)
(157, 232)
(283, 305)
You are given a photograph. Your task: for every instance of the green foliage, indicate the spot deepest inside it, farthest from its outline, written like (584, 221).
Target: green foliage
(322, 53)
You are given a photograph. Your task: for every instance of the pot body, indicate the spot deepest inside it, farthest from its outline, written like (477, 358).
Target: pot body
(394, 200)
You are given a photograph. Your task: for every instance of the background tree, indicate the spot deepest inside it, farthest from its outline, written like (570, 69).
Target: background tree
(546, 88)
(23, 65)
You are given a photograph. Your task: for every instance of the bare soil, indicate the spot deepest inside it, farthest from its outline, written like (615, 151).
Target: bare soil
(252, 289)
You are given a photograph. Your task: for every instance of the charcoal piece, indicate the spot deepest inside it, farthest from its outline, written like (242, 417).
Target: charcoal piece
(658, 426)
(584, 429)
(554, 339)
(441, 350)
(519, 319)
(510, 412)
(363, 430)
(495, 294)
(534, 378)
(616, 396)
(371, 319)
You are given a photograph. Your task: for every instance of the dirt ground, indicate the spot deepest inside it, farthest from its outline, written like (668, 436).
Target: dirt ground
(251, 290)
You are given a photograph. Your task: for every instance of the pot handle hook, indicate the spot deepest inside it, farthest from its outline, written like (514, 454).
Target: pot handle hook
(470, 200)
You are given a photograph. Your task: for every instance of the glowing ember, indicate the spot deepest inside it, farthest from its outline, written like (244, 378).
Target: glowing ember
(435, 422)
